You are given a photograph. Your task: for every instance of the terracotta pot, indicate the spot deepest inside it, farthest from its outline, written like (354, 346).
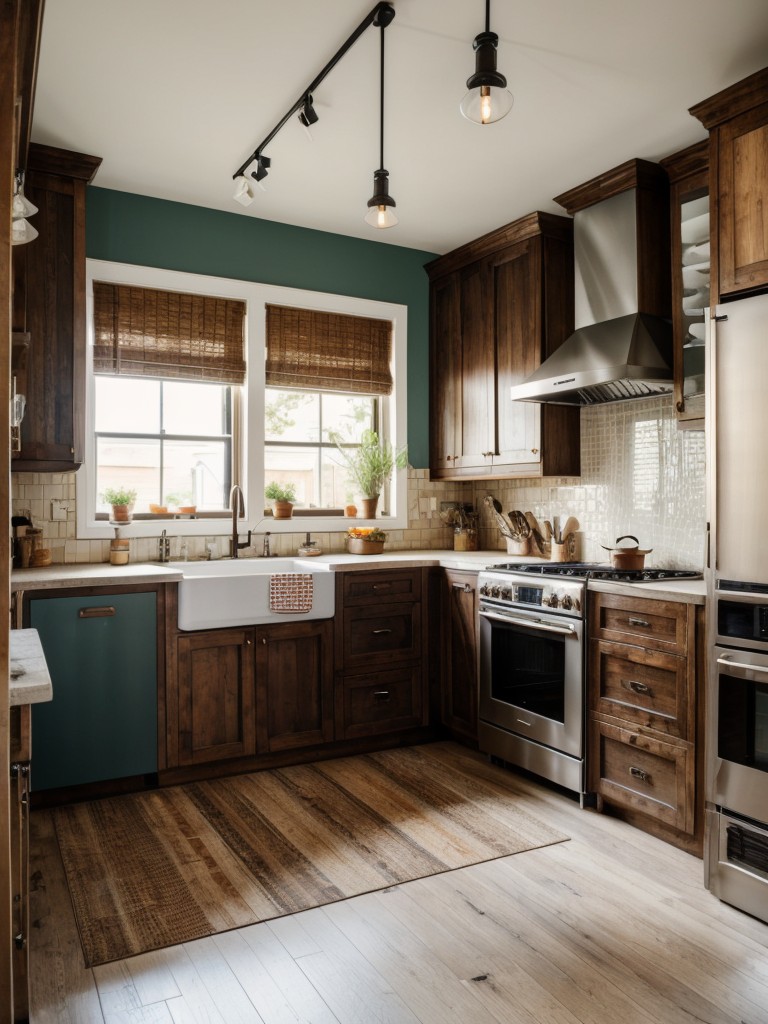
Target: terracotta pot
(282, 509)
(122, 513)
(368, 507)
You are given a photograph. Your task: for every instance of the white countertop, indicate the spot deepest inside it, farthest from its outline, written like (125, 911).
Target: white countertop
(102, 575)
(30, 682)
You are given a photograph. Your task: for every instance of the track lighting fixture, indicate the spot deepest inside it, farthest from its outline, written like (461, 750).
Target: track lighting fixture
(488, 99)
(243, 191)
(308, 115)
(21, 230)
(380, 16)
(381, 213)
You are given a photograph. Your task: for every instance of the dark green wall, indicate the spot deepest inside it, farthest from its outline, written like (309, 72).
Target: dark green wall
(127, 228)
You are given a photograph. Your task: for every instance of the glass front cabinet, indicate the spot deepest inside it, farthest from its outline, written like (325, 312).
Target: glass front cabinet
(689, 208)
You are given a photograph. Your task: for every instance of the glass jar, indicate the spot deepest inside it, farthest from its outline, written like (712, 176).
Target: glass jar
(465, 538)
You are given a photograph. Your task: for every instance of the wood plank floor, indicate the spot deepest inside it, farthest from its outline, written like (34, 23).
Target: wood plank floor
(613, 926)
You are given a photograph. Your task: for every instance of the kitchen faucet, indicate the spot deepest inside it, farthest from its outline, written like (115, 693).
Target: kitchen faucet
(238, 508)
(164, 545)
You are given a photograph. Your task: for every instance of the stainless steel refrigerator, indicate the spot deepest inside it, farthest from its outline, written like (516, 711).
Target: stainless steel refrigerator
(736, 843)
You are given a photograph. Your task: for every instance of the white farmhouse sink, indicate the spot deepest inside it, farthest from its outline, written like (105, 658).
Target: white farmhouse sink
(235, 592)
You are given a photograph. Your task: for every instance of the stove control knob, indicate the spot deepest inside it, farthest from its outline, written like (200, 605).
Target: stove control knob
(546, 600)
(554, 601)
(576, 604)
(495, 591)
(484, 590)
(567, 601)
(506, 593)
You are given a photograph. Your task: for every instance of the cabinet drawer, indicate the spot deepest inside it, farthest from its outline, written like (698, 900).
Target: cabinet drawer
(381, 635)
(362, 588)
(648, 688)
(634, 770)
(379, 702)
(660, 625)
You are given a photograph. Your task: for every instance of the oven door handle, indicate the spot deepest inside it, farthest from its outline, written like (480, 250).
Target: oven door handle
(536, 624)
(726, 661)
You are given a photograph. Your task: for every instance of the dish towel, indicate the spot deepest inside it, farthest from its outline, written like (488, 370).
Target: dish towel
(291, 592)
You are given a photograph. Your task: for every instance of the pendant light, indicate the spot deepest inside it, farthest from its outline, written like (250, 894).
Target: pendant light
(381, 213)
(21, 230)
(488, 99)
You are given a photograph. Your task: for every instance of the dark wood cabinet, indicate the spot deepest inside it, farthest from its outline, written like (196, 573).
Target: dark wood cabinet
(737, 120)
(645, 718)
(459, 653)
(49, 310)
(688, 173)
(294, 685)
(216, 698)
(498, 307)
(380, 657)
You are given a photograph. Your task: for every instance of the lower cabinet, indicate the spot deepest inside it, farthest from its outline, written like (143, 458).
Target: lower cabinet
(645, 718)
(256, 690)
(380, 653)
(459, 653)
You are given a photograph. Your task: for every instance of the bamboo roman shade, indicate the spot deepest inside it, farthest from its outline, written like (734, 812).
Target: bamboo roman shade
(144, 332)
(307, 348)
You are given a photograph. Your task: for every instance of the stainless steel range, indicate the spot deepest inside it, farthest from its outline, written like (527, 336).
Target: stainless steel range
(532, 662)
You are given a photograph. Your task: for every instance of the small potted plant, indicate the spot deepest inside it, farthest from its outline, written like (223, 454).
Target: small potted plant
(370, 466)
(282, 497)
(121, 499)
(365, 540)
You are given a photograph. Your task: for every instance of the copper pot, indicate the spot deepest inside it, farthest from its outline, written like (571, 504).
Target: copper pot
(627, 557)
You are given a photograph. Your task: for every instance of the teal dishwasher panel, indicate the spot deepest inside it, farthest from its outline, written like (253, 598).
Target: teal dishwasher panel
(102, 721)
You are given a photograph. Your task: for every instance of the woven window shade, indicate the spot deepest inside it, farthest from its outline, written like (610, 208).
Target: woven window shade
(307, 348)
(143, 332)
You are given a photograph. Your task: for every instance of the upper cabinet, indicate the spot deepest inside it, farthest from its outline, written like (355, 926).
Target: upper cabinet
(49, 310)
(737, 119)
(498, 307)
(690, 223)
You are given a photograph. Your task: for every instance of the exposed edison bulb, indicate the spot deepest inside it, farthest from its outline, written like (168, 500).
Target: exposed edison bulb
(381, 216)
(485, 104)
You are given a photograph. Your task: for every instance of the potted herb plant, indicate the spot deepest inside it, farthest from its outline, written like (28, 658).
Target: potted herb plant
(283, 497)
(362, 540)
(370, 466)
(121, 499)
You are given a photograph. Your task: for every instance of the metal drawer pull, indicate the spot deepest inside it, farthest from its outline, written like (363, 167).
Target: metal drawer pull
(97, 613)
(638, 622)
(376, 632)
(639, 773)
(381, 586)
(382, 695)
(465, 587)
(637, 687)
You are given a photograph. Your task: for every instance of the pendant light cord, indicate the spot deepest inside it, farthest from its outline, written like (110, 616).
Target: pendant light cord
(487, 15)
(381, 105)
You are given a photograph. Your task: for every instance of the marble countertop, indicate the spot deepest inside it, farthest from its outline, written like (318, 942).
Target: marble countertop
(30, 681)
(84, 574)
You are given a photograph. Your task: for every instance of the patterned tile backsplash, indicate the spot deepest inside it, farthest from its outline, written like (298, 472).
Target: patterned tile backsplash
(640, 476)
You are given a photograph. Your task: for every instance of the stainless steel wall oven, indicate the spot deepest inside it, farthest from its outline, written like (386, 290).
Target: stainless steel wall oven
(737, 780)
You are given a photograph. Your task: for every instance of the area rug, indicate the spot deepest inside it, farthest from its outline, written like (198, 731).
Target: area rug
(164, 867)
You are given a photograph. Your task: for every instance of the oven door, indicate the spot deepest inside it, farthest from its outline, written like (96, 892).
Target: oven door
(531, 676)
(740, 776)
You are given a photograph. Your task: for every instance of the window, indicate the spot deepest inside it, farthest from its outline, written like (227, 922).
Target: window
(298, 446)
(170, 441)
(178, 441)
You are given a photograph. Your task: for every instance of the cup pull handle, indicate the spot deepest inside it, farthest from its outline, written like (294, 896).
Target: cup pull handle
(382, 695)
(639, 773)
(376, 632)
(637, 687)
(638, 622)
(104, 612)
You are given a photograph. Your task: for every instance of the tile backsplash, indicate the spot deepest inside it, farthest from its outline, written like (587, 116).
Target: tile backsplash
(640, 476)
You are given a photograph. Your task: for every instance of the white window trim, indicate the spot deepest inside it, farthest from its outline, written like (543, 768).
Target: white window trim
(257, 297)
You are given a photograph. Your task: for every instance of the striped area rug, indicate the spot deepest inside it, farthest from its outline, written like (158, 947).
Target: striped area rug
(160, 868)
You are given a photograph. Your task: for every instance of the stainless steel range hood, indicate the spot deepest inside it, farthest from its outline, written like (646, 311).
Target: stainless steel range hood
(621, 347)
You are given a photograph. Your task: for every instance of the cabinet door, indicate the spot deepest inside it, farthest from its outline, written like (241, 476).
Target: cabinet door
(49, 304)
(517, 331)
(742, 163)
(216, 696)
(379, 702)
(478, 371)
(445, 373)
(294, 685)
(102, 656)
(381, 635)
(459, 668)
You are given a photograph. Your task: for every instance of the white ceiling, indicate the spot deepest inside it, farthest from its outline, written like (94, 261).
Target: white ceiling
(176, 94)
